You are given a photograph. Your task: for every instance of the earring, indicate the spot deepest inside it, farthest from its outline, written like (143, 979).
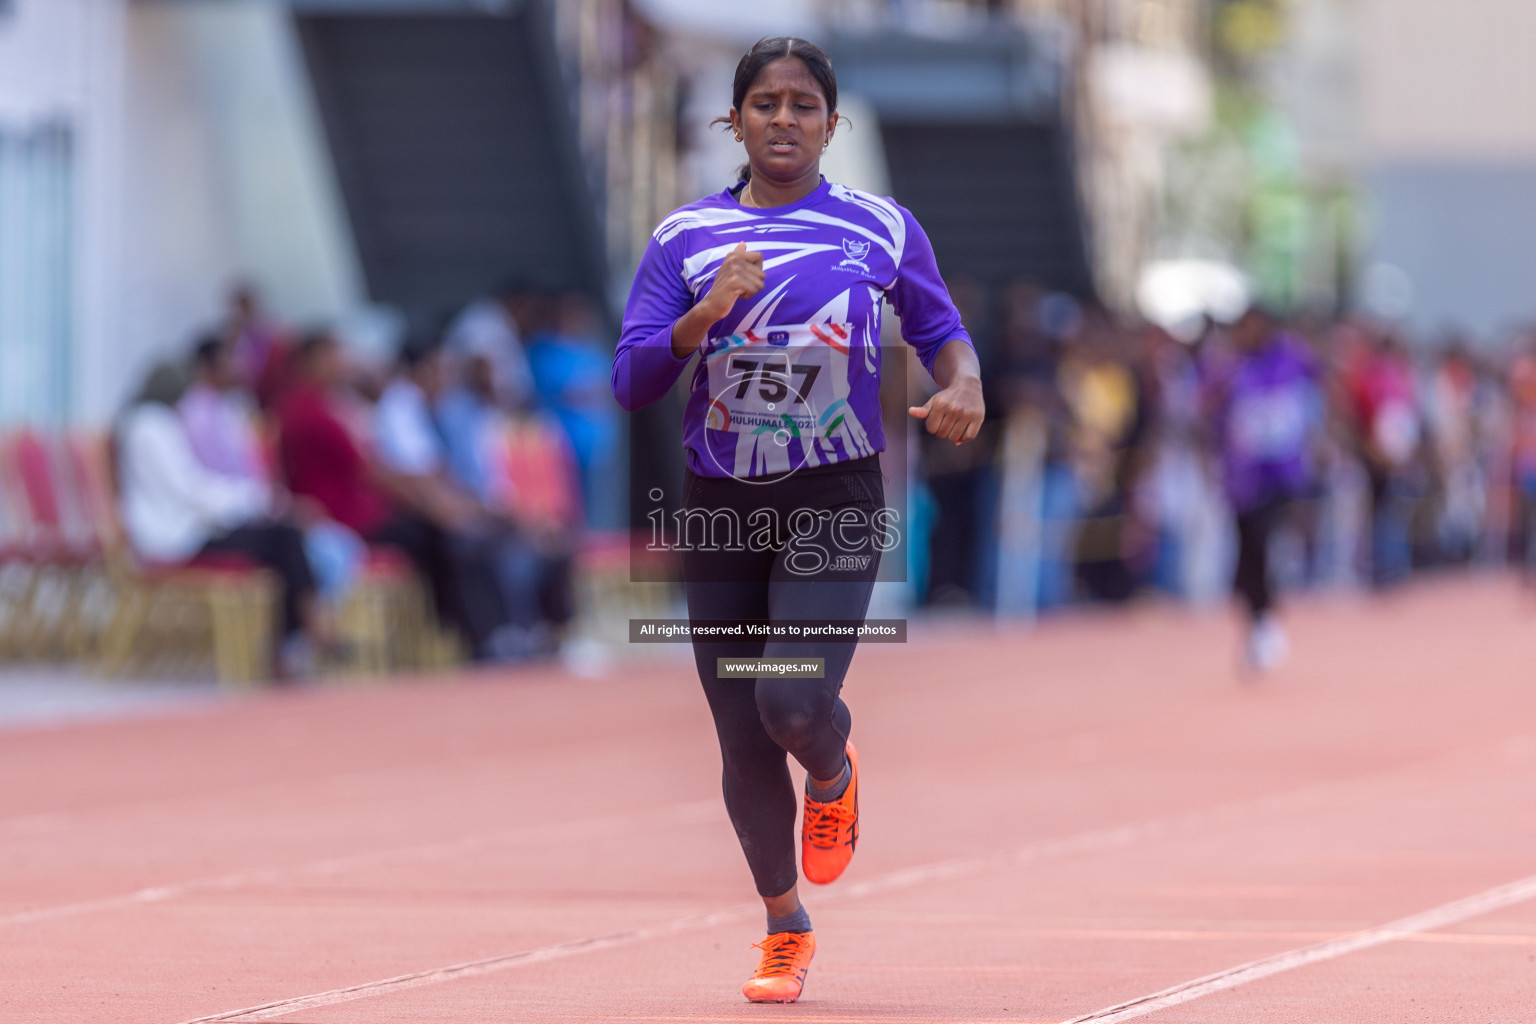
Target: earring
(824, 145)
(738, 136)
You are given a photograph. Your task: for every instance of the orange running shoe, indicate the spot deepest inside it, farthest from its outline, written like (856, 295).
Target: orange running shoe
(781, 975)
(830, 830)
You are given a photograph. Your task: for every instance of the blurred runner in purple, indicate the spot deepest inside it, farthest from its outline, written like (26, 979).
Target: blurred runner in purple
(1265, 409)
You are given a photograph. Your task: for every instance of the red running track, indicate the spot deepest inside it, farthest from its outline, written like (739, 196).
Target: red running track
(1095, 820)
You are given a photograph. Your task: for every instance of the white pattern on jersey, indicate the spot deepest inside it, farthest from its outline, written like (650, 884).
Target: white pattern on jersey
(702, 266)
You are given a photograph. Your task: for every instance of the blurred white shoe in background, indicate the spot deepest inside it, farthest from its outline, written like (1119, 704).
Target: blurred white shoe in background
(1267, 644)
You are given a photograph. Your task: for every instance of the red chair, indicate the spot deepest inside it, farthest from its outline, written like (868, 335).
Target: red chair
(60, 533)
(51, 555)
(16, 573)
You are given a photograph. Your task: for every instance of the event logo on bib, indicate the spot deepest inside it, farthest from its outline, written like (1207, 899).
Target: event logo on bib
(779, 392)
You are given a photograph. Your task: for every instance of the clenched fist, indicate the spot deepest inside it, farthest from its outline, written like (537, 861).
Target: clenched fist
(740, 276)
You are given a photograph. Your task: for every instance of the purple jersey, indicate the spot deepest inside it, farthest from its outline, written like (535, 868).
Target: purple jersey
(791, 376)
(1269, 408)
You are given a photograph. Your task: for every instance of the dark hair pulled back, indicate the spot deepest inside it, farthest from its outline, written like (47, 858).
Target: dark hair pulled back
(764, 52)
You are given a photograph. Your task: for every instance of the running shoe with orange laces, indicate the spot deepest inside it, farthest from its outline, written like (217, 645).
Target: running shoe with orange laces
(781, 974)
(830, 830)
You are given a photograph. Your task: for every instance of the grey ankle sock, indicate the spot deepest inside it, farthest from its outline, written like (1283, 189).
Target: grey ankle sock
(837, 788)
(799, 921)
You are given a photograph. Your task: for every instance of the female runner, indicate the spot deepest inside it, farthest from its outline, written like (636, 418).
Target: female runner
(776, 283)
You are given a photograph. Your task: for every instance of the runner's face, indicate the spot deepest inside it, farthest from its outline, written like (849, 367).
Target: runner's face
(784, 121)
(1250, 333)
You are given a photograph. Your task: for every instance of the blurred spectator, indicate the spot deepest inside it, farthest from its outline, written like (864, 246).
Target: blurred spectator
(1106, 394)
(470, 421)
(1386, 402)
(322, 460)
(493, 327)
(221, 424)
(411, 444)
(570, 370)
(1174, 498)
(1266, 409)
(220, 421)
(1451, 414)
(318, 454)
(175, 509)
(261, 349)
(1494, 419)
(1032, 328)
(962, 543)
(1522, 390)
(477, 435)
(1343, 493)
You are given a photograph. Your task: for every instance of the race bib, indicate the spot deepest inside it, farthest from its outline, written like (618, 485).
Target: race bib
(791, 379)
(1271, 425)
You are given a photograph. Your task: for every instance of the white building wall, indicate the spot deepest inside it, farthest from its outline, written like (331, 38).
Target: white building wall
(227, 174)
(198, 160)
(1449, 123)
(179, 243)
(1449, 79)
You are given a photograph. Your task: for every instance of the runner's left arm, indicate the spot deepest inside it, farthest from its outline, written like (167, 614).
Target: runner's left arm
(930, 323)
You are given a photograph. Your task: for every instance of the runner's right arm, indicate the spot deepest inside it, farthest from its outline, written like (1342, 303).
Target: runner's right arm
(740, 276)
(662, 325)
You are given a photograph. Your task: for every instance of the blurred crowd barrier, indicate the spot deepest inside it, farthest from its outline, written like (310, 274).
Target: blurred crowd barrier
(1103, 472)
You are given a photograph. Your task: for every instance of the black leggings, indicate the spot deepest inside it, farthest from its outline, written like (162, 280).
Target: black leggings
(280, 547)
(1252, 578)
(759, 720)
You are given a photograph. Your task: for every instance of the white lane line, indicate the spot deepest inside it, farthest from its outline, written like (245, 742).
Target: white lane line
(1106, 839)
(1515, 751)
(472, 968)
(691, 812)
(701, 810)
(1428, 920)
(1118, 837)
